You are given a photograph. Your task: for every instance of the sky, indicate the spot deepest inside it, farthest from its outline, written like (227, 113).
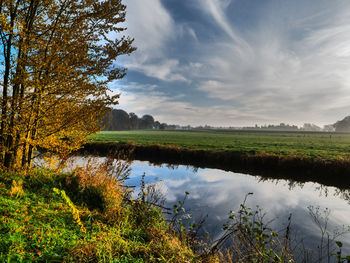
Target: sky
(237, 62)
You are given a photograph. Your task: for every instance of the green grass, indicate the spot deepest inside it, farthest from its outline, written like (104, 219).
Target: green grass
(313, 145)
(38, 225)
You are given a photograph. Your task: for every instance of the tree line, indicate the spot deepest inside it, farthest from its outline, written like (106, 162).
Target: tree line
(343, 125)
(119, 120)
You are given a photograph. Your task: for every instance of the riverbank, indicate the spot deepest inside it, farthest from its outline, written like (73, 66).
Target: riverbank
(330, 172)
(49, 217)
(89, 216)
(313, 145)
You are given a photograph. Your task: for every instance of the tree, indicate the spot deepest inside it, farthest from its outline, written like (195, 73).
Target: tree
(329, 128)
(163, 126)
(57, 58)
(146, 122)
(156, 124)
(311, 127)
(343, 125)
(117, 120)
(134, 121)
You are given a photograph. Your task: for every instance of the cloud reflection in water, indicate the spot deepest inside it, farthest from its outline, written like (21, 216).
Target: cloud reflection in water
(215, 192)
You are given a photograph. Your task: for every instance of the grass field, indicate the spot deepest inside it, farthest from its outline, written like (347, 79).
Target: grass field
(318, 145)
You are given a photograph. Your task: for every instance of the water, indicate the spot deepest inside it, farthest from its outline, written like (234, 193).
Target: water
(214, 193)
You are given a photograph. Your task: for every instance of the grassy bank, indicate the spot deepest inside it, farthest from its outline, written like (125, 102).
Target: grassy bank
(81, 218)
(300, 156)
(313, 145)
(327, 172)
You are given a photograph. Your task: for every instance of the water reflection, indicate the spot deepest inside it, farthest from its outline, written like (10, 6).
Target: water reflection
(215, 192)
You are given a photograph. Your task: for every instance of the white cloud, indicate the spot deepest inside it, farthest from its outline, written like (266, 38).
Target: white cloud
(151, 26)
(291, 66)
(143, 99)
(153, 29)
(281, 77)
(164, 69)
(216, 8)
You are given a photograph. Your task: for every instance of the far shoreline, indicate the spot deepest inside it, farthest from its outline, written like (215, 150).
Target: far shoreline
(270, 166)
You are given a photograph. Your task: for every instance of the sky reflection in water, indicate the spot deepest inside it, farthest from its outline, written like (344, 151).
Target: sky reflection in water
(215, 192)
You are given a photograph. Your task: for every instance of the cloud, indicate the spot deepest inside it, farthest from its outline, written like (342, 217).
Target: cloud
(153, 29)
(216, 8)
(296, 79)
(285, 62)
(163, 69)
(145, 99)
(151, 26)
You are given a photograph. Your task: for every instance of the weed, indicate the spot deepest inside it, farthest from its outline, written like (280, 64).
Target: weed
(250, 239)
(99, 183)
(75, 211)
(17, 188)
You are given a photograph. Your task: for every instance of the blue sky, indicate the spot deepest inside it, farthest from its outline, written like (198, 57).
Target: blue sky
(238, 62)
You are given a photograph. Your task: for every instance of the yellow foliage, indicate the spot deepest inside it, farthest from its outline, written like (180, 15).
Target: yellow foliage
(17, 188)
(56, 73)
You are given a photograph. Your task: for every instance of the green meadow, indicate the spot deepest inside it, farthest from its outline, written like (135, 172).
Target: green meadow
(315, 145)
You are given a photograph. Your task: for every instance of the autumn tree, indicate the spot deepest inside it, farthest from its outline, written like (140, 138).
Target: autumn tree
(56, 60)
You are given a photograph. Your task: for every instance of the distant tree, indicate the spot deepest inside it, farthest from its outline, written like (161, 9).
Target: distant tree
(311, 127)
(120, 120)
(156, 124)
(163, 126)
(146, 122)
(343, 125)
(117, 119)
(329, 128)
(134, 121)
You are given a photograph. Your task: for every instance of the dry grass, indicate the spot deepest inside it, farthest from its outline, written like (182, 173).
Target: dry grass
(17, 188)
(106, 178)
